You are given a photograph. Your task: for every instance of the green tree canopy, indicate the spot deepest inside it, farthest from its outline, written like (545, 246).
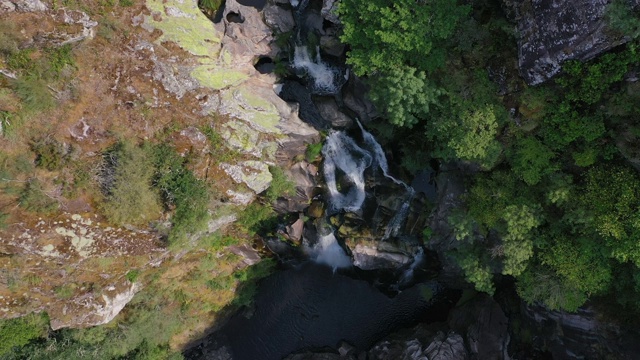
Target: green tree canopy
(386, 34)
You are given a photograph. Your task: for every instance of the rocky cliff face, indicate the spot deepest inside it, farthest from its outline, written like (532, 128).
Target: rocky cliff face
(169, 61)
(554, 31)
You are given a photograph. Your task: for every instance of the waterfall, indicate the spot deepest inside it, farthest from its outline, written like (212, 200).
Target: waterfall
(379, 158)
(408, 274)
(341, 152)
(329, 252)
(323, 75)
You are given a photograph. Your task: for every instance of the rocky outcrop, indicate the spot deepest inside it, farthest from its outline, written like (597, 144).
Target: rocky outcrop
(581, 335)
(328, 11)
(257, 123)
(7, 6)
(552, 32)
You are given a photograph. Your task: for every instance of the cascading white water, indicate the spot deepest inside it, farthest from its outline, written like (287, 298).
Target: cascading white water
(341, 152)
(294, 3)
(408, 274)
(329, 252)
(322, 74)
(379, 158)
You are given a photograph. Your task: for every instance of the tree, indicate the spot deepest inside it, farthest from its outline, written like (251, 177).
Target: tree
(386, 34)
(404, 94)
(469, 135)
(531, 160)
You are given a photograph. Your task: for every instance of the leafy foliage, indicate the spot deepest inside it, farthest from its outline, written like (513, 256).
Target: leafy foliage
(182, 190)
(19, 332)
(386, 34)
(405, 94)
(280, 185)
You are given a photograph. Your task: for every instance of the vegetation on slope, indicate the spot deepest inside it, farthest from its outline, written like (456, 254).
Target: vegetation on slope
(555, 202)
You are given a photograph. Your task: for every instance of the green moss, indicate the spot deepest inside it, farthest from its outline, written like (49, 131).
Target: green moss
(194, 32)
(217, 78)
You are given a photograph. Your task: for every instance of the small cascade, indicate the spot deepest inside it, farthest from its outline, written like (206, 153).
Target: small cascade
(329, 252)
(378, 155)
(341, 152)
(407, 275)
(322, 75)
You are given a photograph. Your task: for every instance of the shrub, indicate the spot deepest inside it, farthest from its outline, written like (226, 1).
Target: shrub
(132, 275)
(33, 198)
(280, 185)
(20, 331)
(257, 218)
(180, 189)
(50, 154)
(131, 198)
(313, 151)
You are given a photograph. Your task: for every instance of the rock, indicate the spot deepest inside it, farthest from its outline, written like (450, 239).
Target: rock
(249, 255)
(354, 98)
(331, 45)
(246, 36)
(329, 10)
(302, 174)
(278, 18)
(446, 347)
(422, 342)
(329, 110)
(7, 6)
(75, 17)
(316, 209)
(485, 325)
(309, 113)
(368, 257)
(552, 32)
(93, 311)
(295, 230)
(254, 174)
(581, 335)
(240, 198)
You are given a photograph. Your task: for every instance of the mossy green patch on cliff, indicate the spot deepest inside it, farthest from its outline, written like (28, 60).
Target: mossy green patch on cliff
(216, 78)
(184, 24)
(258, 112)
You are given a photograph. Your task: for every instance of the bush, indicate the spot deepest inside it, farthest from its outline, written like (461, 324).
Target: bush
(257, 218)
(280, 185)
(33, 198)
(130, 197)
(313, 151)
(180, 189)
(18, 332)
(50, 154)
(132, 275)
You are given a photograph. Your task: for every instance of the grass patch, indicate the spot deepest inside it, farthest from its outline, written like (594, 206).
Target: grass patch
(130, 196)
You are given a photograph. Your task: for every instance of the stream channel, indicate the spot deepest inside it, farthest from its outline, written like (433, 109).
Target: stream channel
(325, 298)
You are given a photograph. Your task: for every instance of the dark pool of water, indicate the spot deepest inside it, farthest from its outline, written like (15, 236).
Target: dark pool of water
(313, 308)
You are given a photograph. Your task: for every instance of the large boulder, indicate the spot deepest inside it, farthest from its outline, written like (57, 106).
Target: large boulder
(554, 31)
(581, 335)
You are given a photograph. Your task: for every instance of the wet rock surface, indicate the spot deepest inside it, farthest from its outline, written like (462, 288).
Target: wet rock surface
(554, 31)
